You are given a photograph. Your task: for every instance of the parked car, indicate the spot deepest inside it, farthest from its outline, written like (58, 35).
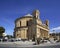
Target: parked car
(14, 39)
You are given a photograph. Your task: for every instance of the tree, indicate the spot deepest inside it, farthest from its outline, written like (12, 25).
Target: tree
(2, 30)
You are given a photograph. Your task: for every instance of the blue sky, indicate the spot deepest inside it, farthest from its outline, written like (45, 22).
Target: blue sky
(13, 9)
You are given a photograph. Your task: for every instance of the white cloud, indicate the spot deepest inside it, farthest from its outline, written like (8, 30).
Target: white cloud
(57, 28)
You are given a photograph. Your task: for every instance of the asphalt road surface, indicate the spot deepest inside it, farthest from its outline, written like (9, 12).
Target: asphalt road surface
(14, 45)
(17, 46)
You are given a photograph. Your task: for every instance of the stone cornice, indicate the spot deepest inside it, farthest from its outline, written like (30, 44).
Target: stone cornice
(20, 27)
(23, 17)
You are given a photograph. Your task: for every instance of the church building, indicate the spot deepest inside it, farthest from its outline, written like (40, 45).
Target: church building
(31, 27)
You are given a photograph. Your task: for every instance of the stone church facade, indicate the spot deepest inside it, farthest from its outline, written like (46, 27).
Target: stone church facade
(31, 27)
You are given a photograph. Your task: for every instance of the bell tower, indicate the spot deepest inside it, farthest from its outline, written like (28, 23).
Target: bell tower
(36, 14)
(47, 22)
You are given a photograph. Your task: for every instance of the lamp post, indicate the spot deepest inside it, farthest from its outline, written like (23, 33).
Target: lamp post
(54, 34)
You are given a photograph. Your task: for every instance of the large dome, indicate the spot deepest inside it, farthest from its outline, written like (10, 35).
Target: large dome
(26, 16)
(22, 20)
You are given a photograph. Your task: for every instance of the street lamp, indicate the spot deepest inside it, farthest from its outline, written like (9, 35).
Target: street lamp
(54, 36)
(53, 33)
(59, 36)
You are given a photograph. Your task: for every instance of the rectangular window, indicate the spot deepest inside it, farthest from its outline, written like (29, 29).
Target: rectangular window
(20, 23)
(27, 23)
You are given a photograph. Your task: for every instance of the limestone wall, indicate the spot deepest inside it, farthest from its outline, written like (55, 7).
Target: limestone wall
(22, 22)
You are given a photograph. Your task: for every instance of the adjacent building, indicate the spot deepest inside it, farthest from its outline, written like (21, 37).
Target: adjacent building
(55, 36)
(31, 27)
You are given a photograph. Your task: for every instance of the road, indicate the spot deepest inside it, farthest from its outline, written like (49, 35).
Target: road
(55, 46)
(30, 46)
